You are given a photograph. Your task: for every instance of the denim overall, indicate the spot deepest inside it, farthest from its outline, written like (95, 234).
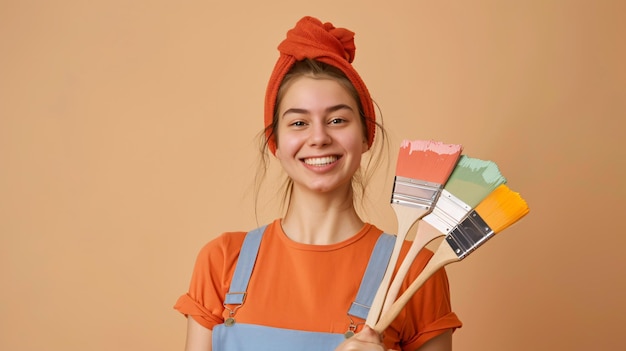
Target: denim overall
(234, 336)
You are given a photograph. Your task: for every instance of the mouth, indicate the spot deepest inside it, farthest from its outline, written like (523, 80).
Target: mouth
(320, 161)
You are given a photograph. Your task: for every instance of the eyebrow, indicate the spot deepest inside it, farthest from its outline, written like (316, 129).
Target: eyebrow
(330, 109)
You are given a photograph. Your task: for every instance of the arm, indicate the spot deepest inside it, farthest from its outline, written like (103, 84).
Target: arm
(441, 342)
(198, 337)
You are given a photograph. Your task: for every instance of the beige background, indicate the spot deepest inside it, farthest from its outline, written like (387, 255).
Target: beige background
(126, 143)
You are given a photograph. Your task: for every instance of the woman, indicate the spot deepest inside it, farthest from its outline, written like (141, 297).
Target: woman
(301, 282)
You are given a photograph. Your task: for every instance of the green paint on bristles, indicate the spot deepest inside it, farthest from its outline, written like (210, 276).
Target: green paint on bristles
(473, 179)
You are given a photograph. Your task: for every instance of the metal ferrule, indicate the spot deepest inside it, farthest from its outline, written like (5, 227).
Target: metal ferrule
(448, 212)
(469, 235)
(414, 193)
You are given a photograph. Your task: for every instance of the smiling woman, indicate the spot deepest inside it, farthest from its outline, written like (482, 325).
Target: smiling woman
(320, 259)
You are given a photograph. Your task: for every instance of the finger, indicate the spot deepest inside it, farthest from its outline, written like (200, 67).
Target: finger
(369, 334)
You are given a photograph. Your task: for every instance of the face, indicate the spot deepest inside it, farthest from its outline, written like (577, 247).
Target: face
(320, 135)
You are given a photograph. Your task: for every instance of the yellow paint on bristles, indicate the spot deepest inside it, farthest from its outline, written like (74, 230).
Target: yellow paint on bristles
(501, 208)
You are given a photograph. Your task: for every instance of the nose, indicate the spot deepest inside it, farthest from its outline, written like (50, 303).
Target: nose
(319, 135)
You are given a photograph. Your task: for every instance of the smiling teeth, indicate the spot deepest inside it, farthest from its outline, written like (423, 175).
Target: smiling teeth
(320, 161)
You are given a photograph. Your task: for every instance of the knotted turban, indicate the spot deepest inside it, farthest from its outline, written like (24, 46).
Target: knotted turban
(312, 39)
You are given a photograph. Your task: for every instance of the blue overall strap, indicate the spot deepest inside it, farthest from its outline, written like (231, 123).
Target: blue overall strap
(243, 270)
(373, 276)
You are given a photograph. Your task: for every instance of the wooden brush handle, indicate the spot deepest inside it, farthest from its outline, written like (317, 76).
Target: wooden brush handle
(443, 256)
(406, 216)
(425, 234)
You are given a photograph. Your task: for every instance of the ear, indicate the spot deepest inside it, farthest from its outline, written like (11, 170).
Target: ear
(277, 153)
(365, 147)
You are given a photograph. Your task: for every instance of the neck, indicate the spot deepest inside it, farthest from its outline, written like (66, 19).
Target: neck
(321, 218)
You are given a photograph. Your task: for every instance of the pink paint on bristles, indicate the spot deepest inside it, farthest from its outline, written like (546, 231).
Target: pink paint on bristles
(431, 161)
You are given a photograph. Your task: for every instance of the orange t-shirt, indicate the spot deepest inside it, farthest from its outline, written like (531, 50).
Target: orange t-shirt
(311, 287)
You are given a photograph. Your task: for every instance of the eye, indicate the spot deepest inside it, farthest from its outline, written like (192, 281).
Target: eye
(337, 121)
(297, 124)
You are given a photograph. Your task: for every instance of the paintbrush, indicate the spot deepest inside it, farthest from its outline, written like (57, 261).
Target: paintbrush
(496, 212)
(470, 182)
(422, 169)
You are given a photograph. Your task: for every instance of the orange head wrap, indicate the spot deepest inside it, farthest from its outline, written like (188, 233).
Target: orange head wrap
(312, 39)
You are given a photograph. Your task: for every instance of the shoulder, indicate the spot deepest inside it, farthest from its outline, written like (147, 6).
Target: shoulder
(374, 232)
(223, 250)
(225, 243)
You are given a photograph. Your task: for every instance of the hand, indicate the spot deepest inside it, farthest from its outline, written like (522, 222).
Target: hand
(365, 340)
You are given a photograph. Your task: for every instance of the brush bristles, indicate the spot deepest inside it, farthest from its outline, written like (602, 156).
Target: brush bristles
(502, 208)
(431, 161)
(472, 179)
